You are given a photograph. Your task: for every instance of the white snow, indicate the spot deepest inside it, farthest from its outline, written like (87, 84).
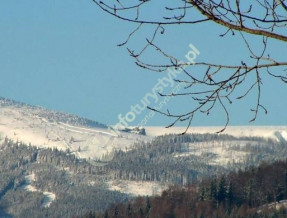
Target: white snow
(24, 125)
(221, 151)
(237, 131)
(275, 205)
(49, 197)
(136, 188)
(28, 180)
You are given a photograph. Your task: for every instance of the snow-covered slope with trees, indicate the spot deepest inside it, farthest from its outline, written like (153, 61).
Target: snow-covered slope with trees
(275, 132)
(89, 139)
(45, 128)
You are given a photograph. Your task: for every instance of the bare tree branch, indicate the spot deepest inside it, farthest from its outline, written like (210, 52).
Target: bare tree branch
(208, 84)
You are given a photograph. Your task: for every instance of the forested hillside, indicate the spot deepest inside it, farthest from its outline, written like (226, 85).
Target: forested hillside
(74, 183)
(256, 192)
(45, 182)
(189, 158)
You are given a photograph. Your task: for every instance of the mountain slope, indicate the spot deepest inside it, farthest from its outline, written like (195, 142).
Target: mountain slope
(256, 192)
(89, 139)
(45, 128)
(278, 133)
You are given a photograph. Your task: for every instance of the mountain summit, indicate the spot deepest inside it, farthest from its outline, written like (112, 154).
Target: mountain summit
(46, 128)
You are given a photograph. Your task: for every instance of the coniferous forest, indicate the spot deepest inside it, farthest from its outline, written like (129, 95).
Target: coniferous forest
(208, 175)
(256, 192)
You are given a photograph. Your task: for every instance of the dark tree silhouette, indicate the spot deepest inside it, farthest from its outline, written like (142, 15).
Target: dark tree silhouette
(211, 84)
(224, 196)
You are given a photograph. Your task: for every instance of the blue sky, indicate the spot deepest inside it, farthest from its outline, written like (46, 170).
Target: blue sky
(63, 55)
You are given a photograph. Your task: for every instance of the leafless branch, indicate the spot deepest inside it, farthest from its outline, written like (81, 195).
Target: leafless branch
(210, 84)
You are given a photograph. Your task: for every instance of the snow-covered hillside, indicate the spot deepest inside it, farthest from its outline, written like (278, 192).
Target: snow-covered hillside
(49, 196)
(137, 188)
(44, 128)
(275, 132)
(90, 139)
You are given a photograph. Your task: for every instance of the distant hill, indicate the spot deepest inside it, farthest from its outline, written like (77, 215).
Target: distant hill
(257, 192)
(49, 182)
(50, 115)
(46, 128)
(123, 161)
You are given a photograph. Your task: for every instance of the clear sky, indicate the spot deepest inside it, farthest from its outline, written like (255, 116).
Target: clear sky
(63, 55)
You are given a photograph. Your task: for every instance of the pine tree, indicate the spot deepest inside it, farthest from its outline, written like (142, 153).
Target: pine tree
(129, 210)
(229, 196)
(285, 185)
(148, 205)
(221, 190)
(202, 194)
(106, 215)
(213, 191)
(116, 212)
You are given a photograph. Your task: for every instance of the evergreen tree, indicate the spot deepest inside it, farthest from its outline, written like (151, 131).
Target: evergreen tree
(221, 190)
(229, 196)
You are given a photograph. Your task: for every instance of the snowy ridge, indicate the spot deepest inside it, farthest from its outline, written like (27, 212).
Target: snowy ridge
(42, 128)
(50, 115)
(275, 132)
(89, 139)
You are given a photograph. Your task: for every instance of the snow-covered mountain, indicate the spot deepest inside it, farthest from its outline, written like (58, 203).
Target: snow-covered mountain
(90, 139)
(278, 133)
(45, 128)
